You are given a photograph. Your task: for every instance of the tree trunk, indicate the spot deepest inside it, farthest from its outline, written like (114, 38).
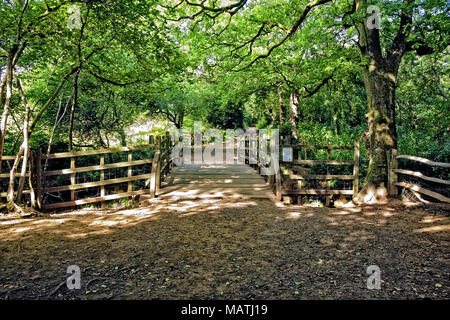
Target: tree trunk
(280, 100)
(4, 120)
(270, 111)
(58, 119)
(382, 135)
(10, 192)
(72, 110)
(380, 76)
(2, 88)
(294, 113)
(25, 144)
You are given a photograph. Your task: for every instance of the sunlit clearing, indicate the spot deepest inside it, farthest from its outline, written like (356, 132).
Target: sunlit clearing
(388, 214)
(369, 198)
(341, 212)
(431, 219)
(12, 222)
(177, 208)
(370, 213)
(381, 193)
(294, 215)
(134, 212)
(105, 223)
(239, 204)
(434, 229)
(341, 204)
(53, 221)
(209, 201)
(22, 229)
(314, 205)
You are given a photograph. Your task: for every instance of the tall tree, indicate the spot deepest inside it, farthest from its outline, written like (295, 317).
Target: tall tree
(272, 25)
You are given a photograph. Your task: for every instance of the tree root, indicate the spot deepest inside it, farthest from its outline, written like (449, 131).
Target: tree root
(57, 288)
(89, 282)
(12, 207)
(11, 291)
(371, 195)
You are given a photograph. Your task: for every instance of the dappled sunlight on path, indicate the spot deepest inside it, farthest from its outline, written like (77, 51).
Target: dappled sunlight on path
(217, 248)
(83, 222)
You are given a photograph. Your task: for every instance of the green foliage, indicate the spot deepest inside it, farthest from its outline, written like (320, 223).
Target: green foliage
(142, 60)
(423, 110)
(227, 116)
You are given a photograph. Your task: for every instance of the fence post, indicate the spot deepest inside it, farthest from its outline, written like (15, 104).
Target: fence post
(30, 177)
(271, 179)
(164, 147)
(154, 180)
(39, 178)
(275, 163)
(328, 196)
(392, 164)
(356, 169)
(72, 178)
(258, 163)
(102, 178)
(247, 149)
(278, 184)
(130, 171)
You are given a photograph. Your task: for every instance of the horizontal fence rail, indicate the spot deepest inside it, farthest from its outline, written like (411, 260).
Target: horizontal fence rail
(102, 183)
(5, 176)
(151, 177)
(139, 169)
(418, 187)
(96, 152)
(426, 161)
(290, 181)
(295, 183)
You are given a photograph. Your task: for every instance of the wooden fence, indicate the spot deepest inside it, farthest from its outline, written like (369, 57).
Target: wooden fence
(416, 186)
(5, 175)
(292, 179)
(152, 166)
(296, 179)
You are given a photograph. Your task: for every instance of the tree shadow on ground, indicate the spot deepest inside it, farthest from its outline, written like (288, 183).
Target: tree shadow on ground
(240, 249)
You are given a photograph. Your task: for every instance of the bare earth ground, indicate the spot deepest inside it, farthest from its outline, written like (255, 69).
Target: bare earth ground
(215, 249)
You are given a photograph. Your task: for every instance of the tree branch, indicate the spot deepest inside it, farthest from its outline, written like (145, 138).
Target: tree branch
(294, 28)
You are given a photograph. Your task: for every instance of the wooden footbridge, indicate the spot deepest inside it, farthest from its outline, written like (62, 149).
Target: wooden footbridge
(232, 178)
(215, 181)
(77, 178)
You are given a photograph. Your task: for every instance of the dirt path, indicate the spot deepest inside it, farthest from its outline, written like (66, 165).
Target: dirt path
(213, 249)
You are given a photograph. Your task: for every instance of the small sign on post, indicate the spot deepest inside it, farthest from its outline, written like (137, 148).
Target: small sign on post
(287, 154)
